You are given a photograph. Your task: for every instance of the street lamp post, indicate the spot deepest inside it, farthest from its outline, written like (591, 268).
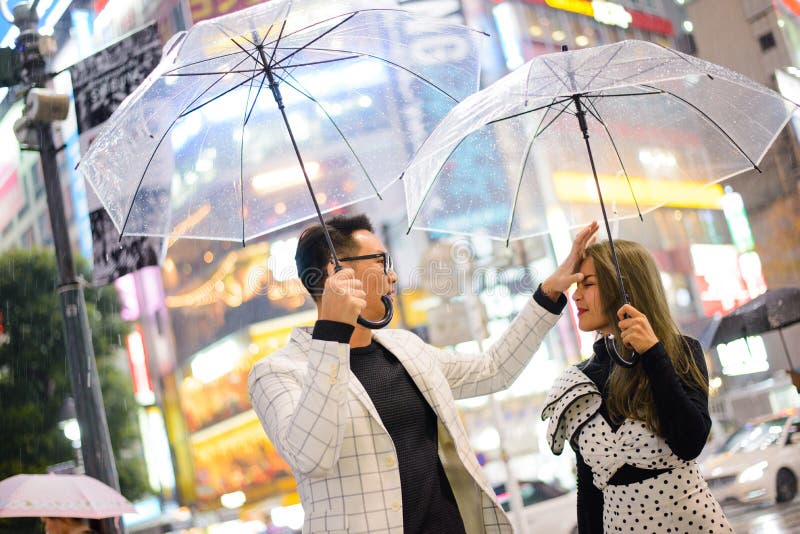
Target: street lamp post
(42, 109)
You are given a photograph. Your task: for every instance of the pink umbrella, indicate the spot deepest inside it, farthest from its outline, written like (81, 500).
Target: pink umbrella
(60, 496)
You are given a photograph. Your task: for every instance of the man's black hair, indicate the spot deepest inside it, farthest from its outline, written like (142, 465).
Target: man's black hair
(313, 254)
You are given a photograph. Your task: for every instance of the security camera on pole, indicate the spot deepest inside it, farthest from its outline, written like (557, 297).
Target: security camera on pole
(25, 65)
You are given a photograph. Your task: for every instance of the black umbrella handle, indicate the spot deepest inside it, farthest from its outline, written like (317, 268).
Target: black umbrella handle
(387, 318)
(611, 347)
(388, 305)
(387, 300)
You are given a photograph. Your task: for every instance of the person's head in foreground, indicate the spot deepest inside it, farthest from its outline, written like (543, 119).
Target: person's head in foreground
(359, 251)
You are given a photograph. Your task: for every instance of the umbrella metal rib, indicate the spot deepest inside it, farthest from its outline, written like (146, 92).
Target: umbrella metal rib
(384, 60)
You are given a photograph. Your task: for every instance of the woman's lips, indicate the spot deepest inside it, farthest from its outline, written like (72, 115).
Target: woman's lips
(581, 311)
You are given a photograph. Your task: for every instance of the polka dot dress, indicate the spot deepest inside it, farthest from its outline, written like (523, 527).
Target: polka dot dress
(677, 501)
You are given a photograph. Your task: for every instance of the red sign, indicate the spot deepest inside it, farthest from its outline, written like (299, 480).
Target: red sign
(137, 359)
(651, 23)
(208, 9)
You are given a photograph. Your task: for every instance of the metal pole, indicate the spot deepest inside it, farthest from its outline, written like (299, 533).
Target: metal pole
(98, 456)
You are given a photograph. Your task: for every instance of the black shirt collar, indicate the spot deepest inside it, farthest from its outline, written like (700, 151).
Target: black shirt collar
(370, 349)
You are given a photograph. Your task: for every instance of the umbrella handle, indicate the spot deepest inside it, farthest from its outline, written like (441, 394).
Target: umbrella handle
(611, 347)
(387, 318)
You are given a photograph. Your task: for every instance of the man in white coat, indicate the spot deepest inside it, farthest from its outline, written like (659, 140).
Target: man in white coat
(367, 418)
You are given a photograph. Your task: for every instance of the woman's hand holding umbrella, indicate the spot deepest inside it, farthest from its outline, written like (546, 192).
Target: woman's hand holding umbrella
(635, 330)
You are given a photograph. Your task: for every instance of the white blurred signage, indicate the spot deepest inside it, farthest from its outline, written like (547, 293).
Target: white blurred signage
(611, 14)
(743, 356)
(216, 361)
(439, 49)
(155, 445)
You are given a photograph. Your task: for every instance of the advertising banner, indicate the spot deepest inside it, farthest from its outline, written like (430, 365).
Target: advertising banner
(100, 83)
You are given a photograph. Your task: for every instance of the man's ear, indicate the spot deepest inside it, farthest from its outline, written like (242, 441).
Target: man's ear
(330, 268)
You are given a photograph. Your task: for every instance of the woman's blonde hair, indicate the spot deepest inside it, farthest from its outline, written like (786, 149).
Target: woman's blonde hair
(629, 393)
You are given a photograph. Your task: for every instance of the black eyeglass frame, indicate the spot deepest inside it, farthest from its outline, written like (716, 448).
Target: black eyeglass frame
(388, 263)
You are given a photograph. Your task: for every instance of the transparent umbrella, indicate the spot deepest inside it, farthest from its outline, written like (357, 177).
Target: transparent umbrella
(269, 116)
(663, 125)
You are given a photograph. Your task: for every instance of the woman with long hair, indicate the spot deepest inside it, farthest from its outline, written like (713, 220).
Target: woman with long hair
(635, 431)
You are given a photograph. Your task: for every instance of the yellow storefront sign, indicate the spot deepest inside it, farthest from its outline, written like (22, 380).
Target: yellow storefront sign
(580, 188)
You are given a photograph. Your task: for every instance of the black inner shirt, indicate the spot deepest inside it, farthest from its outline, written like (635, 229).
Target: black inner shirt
(429, 505)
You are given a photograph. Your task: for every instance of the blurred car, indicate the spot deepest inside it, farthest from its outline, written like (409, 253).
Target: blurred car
(759, 462)
(547, 507)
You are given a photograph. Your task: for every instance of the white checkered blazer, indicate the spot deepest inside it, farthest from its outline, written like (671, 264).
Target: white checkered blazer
(325, 426)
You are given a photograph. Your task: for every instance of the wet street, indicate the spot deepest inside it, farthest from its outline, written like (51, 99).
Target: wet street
(765, 519)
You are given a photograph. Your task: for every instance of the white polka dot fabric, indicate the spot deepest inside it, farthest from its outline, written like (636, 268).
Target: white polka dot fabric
(677, 501)
(572, 401)
(605, 451)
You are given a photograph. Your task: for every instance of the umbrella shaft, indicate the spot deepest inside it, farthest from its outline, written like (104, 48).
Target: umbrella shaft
(581, 114)
(276, 93)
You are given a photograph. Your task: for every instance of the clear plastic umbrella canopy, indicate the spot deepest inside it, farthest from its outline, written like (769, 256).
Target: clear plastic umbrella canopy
(661, 126)
(203, 147)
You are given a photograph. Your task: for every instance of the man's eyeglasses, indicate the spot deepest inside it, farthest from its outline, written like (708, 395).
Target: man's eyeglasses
(388, 264)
